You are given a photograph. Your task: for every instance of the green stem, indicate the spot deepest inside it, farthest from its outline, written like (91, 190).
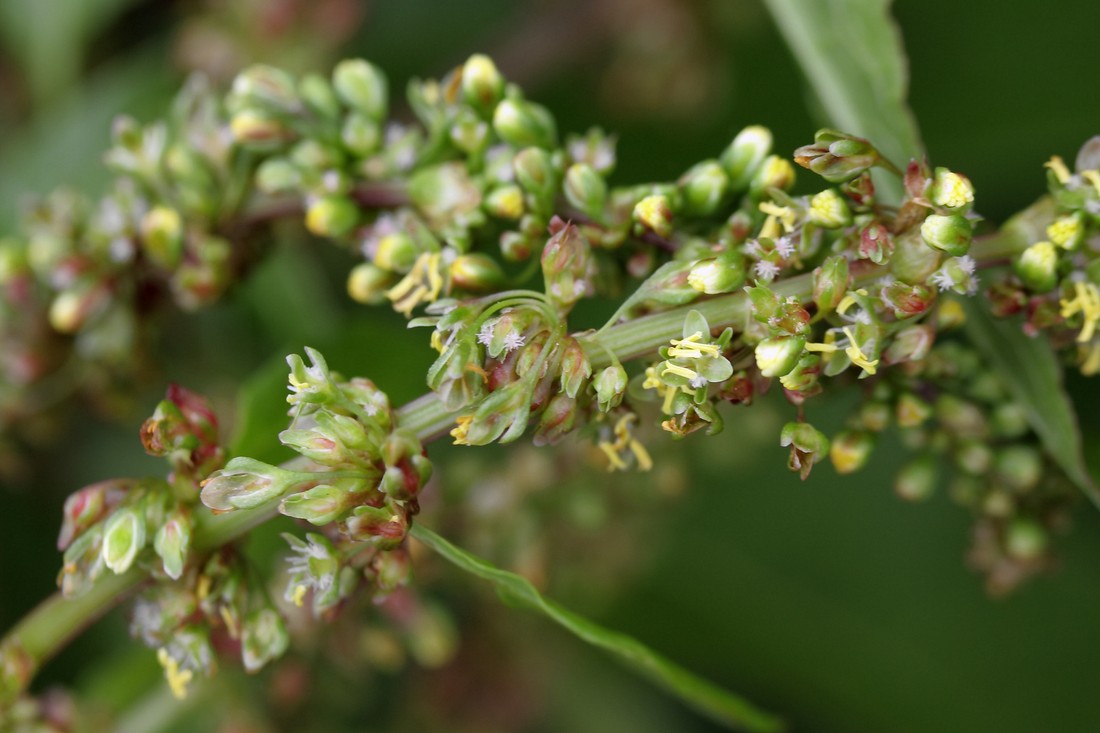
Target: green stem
(46, 629)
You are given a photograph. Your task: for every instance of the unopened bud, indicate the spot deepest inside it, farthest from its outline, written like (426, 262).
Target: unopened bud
(276, 175)
(162, 236)
(522, 123)
(505, 202)
(396, 252)
(704, 188)
(172, 543)
(963, 418)
(536, 173)
(1037, 266)
(476, 272)
(913, 261)
(123, 538)
(951, 234)
(258, 130)
(263, 638)
(774, 172)
(363, 87)
(850, 450)
(907, 300)
(265, 87)
(776, 357)
(610, 387)
(361, 134)
(585, 189)
(951, 190)
(514, 247)
(974, 457)
(722, 274)
(829, 210)
(332, 216)
(320, 505)
(876, 243)
(836, 156)
(1025, 539)
(75, 306)
(912, 411)
(1018, 467)
(320, 97)
(367, 283)
(1067, 231)
(910, 344)
(482, 83)
(245, 483)
(917, 479)
(831, 282)
(745, 155)
(557, 419)
(575, 367)
(655, 214)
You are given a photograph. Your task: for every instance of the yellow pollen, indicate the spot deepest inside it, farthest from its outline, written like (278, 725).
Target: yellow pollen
(299, 596)
(1056, 164)
(177, 679)
(1087, 303)
(1063, 231)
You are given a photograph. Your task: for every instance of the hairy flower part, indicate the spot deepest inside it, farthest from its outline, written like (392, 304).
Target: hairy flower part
(313, 567)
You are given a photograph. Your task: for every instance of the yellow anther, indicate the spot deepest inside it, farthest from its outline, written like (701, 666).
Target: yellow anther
(299, 596)
(679, 371)
(615, 463)
(1056, 164)
(848, 301)
(177, 678)
(857, 356)
(1064, 230)
(691, 348)
(423, 284)
(1087, 303)
(625, 440)
(437, 341)
(230, 622)
(652, 381)
(827, 348)
(462, 425)
(783, 213)
(203, 589)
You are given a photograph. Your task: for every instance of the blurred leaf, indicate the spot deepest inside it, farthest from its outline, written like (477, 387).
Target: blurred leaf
(1033, 377)
(851, 52)
(705, 697)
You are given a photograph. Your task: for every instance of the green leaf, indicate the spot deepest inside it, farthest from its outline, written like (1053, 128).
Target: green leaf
(1033, 377)
(707, 698)
(851, 52)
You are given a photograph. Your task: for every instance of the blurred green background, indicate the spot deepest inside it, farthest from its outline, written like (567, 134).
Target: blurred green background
(832, 601)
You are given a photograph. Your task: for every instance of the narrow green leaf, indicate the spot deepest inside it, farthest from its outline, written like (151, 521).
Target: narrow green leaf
(707, 698)
(851, 52)
(1033, 377)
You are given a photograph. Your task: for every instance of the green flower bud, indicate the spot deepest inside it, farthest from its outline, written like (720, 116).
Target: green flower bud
(907, 301)
(910, 344)
(321, 504)
(522, 124)
(850, 450)
(874, 416)
(876, 243)
(808, 446)
(173, 541)
(1025, 539)
(951, 234)
(477, 272)
(565, 262)
(162, 236)
(332, 216)
(556, 420)
(1018, 467)
(776, 357)
(258, 130)
(482, 83)
(913, 261)
(1010, 420)
(505, 202)
(361, 134)
(655, 214)
(912, 411)
(916, 481)
(536, 173)
(774, 172)
(575, 367)
(585, 189)
(610, 387)
(974, 457)
(320, 97)
(744, 156)
(263, 638)
(368, 283)
(704, 188)
(963, 418)
(502, 416)
(72, 308)
(277, 175)
(444, 192)
(1037, 266)
(831, 282)
(265, 87)
(951, 190)
(722, 274)
(385, 526)
(395, 252)
(362, 86)
(596, 148)
(836, 156)
(83, 563)
(829, 210)
(84, 508)
(123, 538)
(245, 483)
